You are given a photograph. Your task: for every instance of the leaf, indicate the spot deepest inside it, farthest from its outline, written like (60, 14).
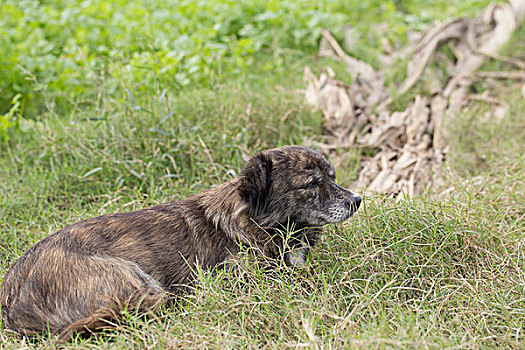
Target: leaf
(92, 171)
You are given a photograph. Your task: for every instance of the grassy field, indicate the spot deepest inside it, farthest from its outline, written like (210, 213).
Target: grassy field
(117, 130)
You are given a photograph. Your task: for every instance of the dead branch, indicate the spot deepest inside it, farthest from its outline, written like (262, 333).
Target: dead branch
(520, 75)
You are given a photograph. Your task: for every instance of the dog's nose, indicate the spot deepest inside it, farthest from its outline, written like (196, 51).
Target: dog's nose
(357, 202)
(353, 203)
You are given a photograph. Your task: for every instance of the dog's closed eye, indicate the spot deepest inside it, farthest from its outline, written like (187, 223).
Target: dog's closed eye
(311, 184)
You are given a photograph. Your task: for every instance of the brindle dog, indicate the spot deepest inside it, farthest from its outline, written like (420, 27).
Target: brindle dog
(84, 274)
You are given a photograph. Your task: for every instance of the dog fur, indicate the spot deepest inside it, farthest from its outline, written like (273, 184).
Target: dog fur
(85, 274)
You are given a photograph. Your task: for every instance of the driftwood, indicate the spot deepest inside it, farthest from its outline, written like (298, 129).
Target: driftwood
(410, 145)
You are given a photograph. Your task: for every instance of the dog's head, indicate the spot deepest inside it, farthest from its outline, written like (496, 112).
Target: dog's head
(296, 184)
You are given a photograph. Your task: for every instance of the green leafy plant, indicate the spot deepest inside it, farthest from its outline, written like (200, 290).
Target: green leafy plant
(60, 51)
(10, 119)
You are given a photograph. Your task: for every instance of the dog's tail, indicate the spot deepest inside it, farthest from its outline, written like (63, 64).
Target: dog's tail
(143, 301)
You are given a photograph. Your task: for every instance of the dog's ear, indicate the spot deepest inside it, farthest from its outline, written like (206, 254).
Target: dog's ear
(255, 182)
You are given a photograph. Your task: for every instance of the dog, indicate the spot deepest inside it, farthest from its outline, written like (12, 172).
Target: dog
(77, 279)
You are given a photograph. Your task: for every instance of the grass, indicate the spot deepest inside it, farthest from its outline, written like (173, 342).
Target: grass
(431, 272)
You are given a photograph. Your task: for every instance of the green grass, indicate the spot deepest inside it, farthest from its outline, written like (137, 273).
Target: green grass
(432, 272)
